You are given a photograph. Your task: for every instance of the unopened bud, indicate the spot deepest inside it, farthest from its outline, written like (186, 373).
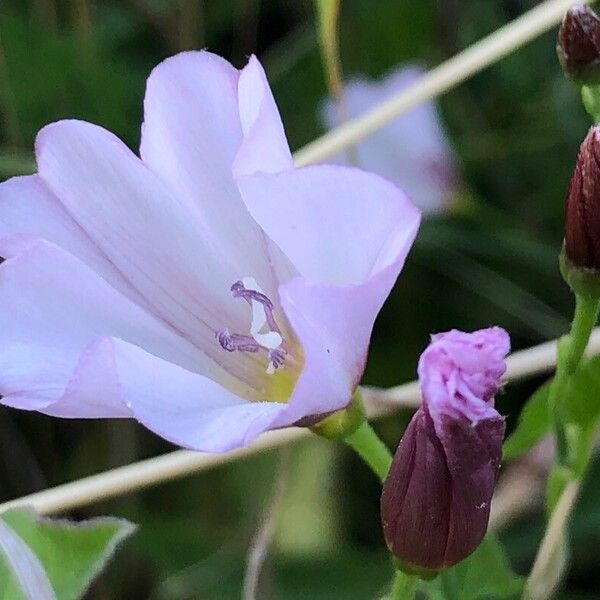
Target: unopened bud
(580, 259)
(435, 503)
(578, 46)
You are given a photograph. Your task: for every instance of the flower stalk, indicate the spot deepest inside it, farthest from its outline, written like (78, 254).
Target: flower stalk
(403, 586)
(569, 354)
(367, 444)
(350, 426)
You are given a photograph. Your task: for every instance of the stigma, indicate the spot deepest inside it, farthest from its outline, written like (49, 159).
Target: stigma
(264, 335)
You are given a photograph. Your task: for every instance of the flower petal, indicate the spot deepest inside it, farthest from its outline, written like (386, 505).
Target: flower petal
(58, 356)
(52, 308)
(336, 224)
(415, 502)
(473, 455)
(187, 409)
(29, 209)
(118, 379)
(190, 136)
(154, 240)
(334, 325)
(460, 373)
(265, 147)
(325, 384)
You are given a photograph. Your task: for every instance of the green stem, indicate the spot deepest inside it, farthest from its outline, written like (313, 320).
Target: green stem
(365, 442)
(403, 586)
(570, 351)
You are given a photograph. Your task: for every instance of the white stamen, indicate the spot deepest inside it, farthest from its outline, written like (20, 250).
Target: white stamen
(268, 339)
(259, 317)
(264, 331)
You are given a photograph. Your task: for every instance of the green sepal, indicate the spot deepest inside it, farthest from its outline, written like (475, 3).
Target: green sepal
(420, 572)
(584, 282)
(343, 423)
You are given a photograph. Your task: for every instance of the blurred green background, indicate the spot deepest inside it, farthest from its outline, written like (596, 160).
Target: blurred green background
(515, 128)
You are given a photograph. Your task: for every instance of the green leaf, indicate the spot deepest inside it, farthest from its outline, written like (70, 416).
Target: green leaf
(23, 569)
(534, 422)
(483, 575)
(581, 409)
(582, 413)
(72, 554)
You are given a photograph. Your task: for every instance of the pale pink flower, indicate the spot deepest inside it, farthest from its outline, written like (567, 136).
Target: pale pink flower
(209, 289)
(412, 150)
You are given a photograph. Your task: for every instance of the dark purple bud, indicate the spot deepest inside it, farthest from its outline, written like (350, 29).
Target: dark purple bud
(578, 46)
(582, 206)
(580, 257)
(436, 499)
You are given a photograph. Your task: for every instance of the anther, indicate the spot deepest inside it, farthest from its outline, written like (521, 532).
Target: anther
(233, 342)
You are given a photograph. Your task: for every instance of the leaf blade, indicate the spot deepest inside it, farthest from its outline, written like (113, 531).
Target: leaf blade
(72, 554)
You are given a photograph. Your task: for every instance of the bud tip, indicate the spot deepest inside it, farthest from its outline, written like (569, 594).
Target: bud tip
(578, 45)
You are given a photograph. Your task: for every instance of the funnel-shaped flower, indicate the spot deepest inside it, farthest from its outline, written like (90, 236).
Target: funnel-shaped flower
(412, 151)
(209, 289)
(435, 503)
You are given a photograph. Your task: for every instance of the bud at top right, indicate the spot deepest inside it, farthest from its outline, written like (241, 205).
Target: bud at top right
(578, 46)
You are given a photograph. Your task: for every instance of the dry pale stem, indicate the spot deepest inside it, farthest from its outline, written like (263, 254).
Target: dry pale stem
(259, 547)
(439, 80)
(550, 560)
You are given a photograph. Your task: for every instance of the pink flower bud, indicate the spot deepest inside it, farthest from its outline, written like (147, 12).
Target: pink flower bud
(435, 503)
